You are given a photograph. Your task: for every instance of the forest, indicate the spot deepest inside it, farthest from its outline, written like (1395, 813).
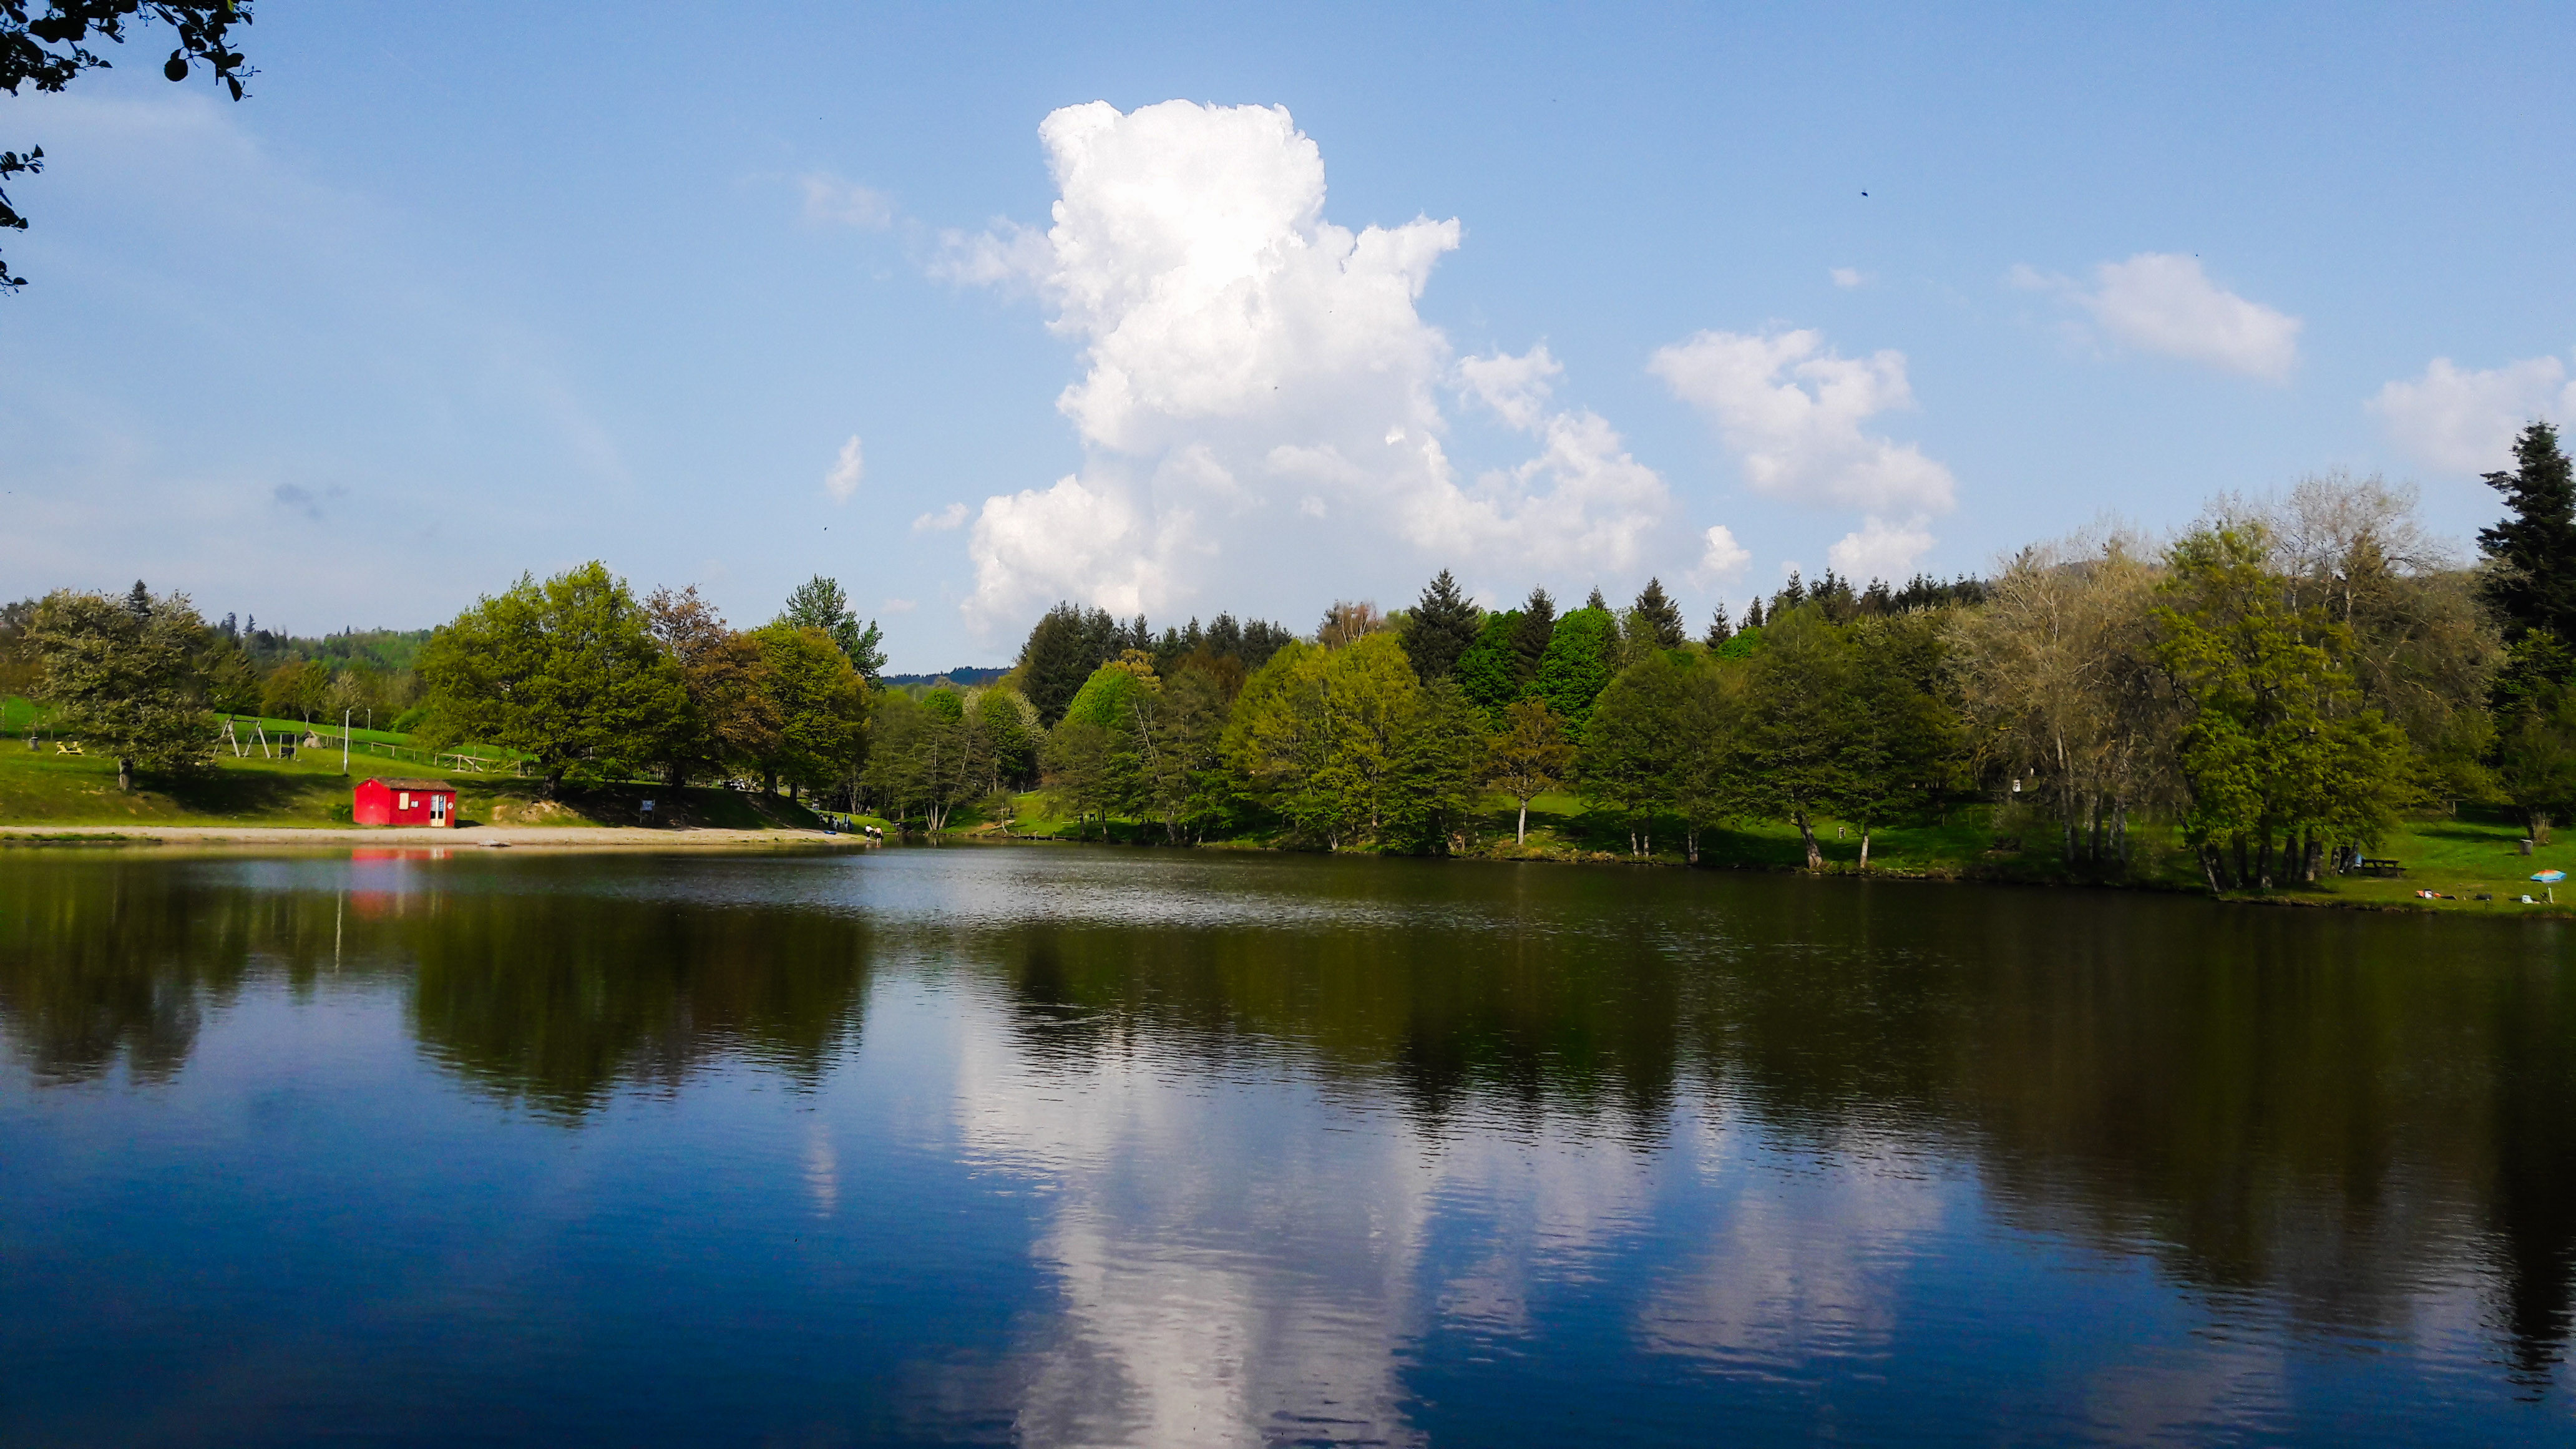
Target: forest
(2278, 684)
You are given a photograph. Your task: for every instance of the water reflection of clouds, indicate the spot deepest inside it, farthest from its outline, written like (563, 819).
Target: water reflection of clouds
(1810, 1267)
(1252, 1261)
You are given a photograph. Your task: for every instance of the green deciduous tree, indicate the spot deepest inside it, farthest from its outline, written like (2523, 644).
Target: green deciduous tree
(1582, 654)
(2275, 749)
(123, 675)
(730, 718)
(1901, 735)
(1489, 670)
(1630, 760)
(922, 757)
(1177, 740)
(821, 603)
(1321, 736)
(1528, 757)
(1793, 745)
(566, 670)
(821, 703)
(2536, 761)
(1433, 790)
(2061, 685)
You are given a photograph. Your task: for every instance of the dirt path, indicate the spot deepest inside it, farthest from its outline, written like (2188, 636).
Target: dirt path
(470, 837)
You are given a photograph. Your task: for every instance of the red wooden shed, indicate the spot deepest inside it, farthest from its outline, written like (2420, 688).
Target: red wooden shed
(404, 802)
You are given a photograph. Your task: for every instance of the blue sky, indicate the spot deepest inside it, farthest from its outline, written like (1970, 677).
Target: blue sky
(467, 290)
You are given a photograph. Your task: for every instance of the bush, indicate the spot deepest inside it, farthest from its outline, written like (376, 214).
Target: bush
(410, 719)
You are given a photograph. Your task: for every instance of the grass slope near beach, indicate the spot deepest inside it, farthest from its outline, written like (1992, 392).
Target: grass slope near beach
(39, 789)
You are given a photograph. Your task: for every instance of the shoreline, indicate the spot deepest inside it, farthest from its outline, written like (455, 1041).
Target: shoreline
(471, 837)
(559, 838)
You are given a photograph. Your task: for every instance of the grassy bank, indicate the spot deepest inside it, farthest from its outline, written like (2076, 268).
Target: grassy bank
(44, 788)
(2459, 858)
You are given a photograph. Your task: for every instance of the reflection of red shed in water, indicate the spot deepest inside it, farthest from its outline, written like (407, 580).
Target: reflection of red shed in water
(404, 802)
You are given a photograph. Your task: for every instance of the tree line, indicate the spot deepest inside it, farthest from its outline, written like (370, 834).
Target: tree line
(2278, 683)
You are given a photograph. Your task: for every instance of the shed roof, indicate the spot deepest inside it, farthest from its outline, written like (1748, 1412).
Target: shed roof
(416, 784)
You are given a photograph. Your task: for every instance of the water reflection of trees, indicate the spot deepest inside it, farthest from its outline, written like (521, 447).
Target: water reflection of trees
(105, 965)
(2327, 1108)
(561, 1000)
(556, 999)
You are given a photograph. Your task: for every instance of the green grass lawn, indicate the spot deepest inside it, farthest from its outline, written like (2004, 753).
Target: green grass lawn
(46, 788)
(2463, 857)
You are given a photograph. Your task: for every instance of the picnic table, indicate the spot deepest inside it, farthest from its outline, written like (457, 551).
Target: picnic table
(2368, 866)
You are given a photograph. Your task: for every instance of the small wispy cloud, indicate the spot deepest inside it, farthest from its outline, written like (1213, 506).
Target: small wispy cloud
(952, 516)
(847, 471)
(833, 201)
(1849, 277)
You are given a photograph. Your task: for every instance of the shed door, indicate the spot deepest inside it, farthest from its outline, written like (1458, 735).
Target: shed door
(437, 809)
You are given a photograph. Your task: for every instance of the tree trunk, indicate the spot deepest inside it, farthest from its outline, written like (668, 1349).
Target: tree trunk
(1864, 848)
(554, 782)
(125, 773)
(2241, 875)
(1690, 845)
(1807, 832)
(2209, 869)
(1520, 835)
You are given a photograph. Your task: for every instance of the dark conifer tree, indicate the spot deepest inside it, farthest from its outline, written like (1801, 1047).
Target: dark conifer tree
(1060, 654)
(1753, 613)
(1538, 626)
(2535, 587)
(1596, 601)
(1441, 627)
(1719, 630)
(1660, 617)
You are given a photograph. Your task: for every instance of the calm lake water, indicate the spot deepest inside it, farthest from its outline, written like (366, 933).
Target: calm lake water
(1059, 1146)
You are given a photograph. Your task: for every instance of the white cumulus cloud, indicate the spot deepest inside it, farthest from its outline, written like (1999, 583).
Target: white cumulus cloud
(847, 470)
(1724, 558)
(1879, 549)
(941, 520)
(2162, 302)
(2464, 421)
(1791, 409)
(1259, 394)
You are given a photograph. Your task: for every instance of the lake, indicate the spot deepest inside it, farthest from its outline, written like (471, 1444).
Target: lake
(1116, 1146)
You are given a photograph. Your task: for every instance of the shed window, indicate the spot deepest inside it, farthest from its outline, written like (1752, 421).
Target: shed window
(403, 801)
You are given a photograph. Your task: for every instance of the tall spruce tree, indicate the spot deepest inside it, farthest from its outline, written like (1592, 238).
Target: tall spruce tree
(1659, 616)
(1441, 627)
(2534, 585)
(1537, 627)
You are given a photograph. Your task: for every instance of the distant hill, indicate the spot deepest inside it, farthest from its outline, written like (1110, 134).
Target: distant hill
(968, 675)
